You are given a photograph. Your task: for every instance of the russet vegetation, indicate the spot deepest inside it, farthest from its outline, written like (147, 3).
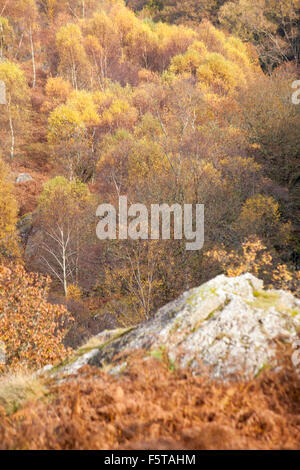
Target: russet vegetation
(151, 407)
(103, 102)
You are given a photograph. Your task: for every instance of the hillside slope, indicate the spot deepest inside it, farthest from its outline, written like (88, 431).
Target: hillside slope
(145, 399)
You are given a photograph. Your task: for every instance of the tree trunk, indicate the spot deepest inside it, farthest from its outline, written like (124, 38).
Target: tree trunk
(12, 133)
(64, 262)
(33, 58)
(1, 42)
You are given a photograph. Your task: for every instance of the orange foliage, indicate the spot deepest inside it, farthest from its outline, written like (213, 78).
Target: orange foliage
(255, 258)
(38, 327)
(153, 407)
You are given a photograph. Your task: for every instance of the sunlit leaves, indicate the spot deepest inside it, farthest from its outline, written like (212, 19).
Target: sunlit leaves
(72, 54)
(31, 329)
(8, 216)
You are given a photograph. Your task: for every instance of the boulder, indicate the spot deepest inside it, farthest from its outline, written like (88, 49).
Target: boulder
(34, 240)
(228, 326)
(2, 353)
(23, 178)
(24, 227)
(2, 93)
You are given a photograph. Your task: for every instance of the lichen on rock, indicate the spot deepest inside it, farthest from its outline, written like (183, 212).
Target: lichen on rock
(229, 325)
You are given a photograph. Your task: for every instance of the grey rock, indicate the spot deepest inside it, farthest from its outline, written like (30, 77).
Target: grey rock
(33, 242)
(229, 325)
(44, 370)
(24, 227)
(2, 93)
(23, 178)
(2, 353)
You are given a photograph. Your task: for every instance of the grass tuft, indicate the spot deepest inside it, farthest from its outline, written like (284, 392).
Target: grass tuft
(17, 389)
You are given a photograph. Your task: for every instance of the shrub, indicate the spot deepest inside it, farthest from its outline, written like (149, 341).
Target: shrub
(31, 328)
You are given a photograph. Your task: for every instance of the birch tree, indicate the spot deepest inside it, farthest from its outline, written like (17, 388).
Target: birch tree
(66, 223)
(72, 56)
(16, 107)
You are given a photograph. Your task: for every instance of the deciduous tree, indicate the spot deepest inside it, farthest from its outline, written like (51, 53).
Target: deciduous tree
(66, 220)
(8, 216)
(31, 328)
(16, 108)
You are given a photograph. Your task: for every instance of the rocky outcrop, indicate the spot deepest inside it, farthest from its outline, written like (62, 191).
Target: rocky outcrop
(230, 325)
(24, 227)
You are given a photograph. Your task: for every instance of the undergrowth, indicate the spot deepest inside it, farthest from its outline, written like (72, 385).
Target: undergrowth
(152, 407)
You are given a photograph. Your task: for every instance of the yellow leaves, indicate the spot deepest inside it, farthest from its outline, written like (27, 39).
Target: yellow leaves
(251, 261)
(77, 114)
(255, 255)
(72, 191)
(238, 57)
(120, 114)
(74, 292)
(63, 122)
(168, 34)
(92, 45)
(103, 98)
(260, 215)
(240, 169)
(256, 259)
(52, 6)
(15, 82)
(8, 215)
(69, 38)
(216, 70)
(237, 44)
(15, 113)
(5, 26)
(219, 63)
(147, 158)
(101, 27)
(199, 47)
(256, 146)
(141, 42)
(83, 103)
(6, 33)
(213, 38)
(190, 61)
(283, 275)
(69, 41)
(261, 206)
(124, 20)
(57, 87)
(113, 91)
(57, 90)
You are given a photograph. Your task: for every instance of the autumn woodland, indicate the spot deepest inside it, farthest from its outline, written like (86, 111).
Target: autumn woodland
(166, 102)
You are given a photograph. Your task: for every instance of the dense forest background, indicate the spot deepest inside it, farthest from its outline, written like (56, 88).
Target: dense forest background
(165, 102)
